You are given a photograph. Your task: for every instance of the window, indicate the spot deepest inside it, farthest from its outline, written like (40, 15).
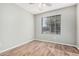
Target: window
(51, 24)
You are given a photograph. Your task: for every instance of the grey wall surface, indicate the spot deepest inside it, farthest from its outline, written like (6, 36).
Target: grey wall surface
(77, 25)
(16, 26)
(68, 26)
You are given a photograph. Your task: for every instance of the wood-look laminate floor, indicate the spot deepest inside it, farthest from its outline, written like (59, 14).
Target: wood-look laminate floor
(40, 48)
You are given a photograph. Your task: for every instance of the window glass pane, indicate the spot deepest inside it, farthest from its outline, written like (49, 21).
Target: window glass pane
(53, 20)
(57, 28)
(45, 25)
(51, 24)
(58, 22)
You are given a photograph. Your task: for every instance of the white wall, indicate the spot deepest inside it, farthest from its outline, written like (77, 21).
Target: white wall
(68, 26)
(77, 25)
(16, 26)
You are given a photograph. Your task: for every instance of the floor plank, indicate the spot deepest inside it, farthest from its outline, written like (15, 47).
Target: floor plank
(40, 48)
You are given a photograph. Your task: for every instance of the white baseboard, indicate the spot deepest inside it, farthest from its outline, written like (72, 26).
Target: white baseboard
(57, 42)
(16, 46)
(77, 46)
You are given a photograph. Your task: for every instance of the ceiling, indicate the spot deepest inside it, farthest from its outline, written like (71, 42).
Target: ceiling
(36, 8)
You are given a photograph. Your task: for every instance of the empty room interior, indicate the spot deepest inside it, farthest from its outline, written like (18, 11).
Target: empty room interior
(39, 29)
